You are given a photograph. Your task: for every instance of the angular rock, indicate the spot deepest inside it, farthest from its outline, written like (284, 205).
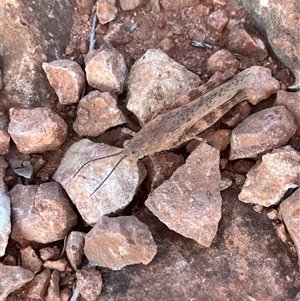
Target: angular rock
(58, 265)
(4, 136)
(106, 70)
(118, 242)
(40, 213)
(222, 60)
(96, 113)
(204, 9)
(268, 180)
(30, 260)
(240, 41)
(289, 209)
(83, 6)
(129, 4)
(261, 132)
(219, 139)
(74, 248)
(36, 130)
(177, 5)
(89, 283)
(218, 19)
(190, 201)
(164, 81)
(89, 170)
(5, 211)
(50, 253)
(66, 294)
(53, 293)
(12, 278)
(38, 286)
(290, 100)
(67, 78)
(106, 11)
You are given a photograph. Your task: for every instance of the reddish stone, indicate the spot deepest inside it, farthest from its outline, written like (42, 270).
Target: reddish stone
(221, 61)
(218, 19)
(74, 248)
(53, 293)
(106, 11)
(129, 4)
(83, 6)
(59, 265)
(38, 286)
(4, 136)
(177, 5)
(30, 260)
(50, 253)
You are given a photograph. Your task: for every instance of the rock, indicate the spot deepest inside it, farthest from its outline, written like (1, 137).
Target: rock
(118, 242)
(96, 113)
(50, 253)
(83, 6)
(236, 114)
(219, 139)
(9, 260)
(243, 166)
(106, 11)
(218, 19)
(53, 288)
(129, 4)
(268, 180)
(89, 184)
(164, 81)
(30, 260)
(40, 213)
(203, 9)
(177, 5)
(67, 78)
(222, 60)
(38, 286)
(4, 136)
(59, 265)
(65, 294)
(24, 82)
(5, 225)
(89, 283)
(240, 41)
(290, 100)
(261, 132)
(74, 248)
(106, 70)
(276, 20)
(12, 278)
(190, 202)
(36, 130)
(289, 209)
(226, 180)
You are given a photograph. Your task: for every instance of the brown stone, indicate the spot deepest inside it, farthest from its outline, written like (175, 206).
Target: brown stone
(268, 180)
(243, 165)
(74, 248)
(219, 139)
(204, 8)
(222, 60)
(50, 253)
(12, 278)
(53, 293)
(38, 286)
(83, 6)
(89, 185)
(129, 4)
(89, 283)
(40, 213)
(118, 242)
(30, 260)
(106, 11)
(262, 132)
(177, 5)
(65, 294)
(59, 265)
(218, 19)
(190, 202)
(106, 70)
(67, 78)
(96, 113)
(226, 180)
(162, 84)
(4, 136)
(36, 130)
(240, 41)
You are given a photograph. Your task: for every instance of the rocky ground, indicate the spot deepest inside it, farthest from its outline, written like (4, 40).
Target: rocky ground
(81, 218)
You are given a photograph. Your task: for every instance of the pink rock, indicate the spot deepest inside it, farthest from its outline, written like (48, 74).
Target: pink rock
(4, 136)
(36, 130)
(50, 253)
(106, 11)
(118, 242)
(89, 283)
(67, 78)
(41, 213)
(96, 113)
(83, 6)
(190, 202)
(236, 114)
(59, 265)
(262, 132)
(38, 286)
(268, 180)
(74, 248)
(177, 4)
(12, 278)
(222, 60)
(66, 294)
(218, 19)
(106, 70)
(219, 139)
(129, 4)
(53, 293)
(30, 260)
(89, 170)
(203, 9)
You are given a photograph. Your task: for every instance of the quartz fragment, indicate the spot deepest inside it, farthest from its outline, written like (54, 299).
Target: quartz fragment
(190, 202)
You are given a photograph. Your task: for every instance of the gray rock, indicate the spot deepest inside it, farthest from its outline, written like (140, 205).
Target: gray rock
(164, 81)
(40, 213)
(38, 286)
(12, 278)
(261, 132)
(118, 242)
(74, 248)
(269, 179)
(190, 201)
(96, 113)
(89, 185)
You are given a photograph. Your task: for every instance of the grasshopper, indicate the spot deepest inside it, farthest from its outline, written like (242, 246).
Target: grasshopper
(199, 109)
